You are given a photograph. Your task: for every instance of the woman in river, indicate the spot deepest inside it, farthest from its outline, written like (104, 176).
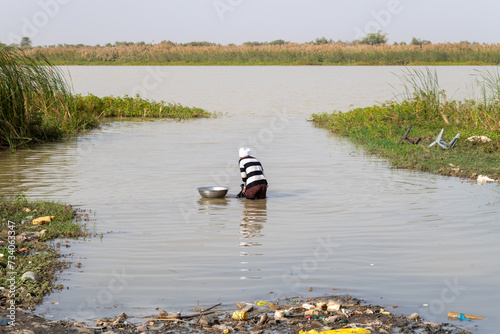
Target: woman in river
(252, 174)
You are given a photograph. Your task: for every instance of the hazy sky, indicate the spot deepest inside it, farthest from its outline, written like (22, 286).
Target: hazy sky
(93, 22)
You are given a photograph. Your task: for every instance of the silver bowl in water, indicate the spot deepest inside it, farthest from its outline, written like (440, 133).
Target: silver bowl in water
(213, 192)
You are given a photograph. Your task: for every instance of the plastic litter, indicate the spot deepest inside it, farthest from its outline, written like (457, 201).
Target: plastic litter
(333, 306)
(308, 306)
(30, 276)
(331, 319)
(224, 328)
(484, 179)
(384, 312)
(408, 140)
(482, 139)
(240, 315)
(339, 331)
(321, 306)
(43, 220)
(461, 316)
(444, 144)
(262, 303)
(311, 312)
(278, 315)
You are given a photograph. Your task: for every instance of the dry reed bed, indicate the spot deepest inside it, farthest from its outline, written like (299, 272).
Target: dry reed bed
(292, 53)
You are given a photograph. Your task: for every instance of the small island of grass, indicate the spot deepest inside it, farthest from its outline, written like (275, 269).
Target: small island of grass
(36, 104)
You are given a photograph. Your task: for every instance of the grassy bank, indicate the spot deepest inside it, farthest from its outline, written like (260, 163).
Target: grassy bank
(25, 247)
(286, 54)
(380, 128)
(36, 104)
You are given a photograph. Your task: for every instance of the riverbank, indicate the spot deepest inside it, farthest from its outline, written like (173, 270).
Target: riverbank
(383, 130)
(29, 257)
(326, 314)
(285, 54)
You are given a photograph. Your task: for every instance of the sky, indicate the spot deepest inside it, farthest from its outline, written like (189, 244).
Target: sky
(92, 22)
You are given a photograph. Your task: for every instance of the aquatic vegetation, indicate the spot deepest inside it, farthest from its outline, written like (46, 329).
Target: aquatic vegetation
(32, 95)
(128, 106)
(36, 103)
(379, 129)
(423, 86)
(488, 86)
(338, 53)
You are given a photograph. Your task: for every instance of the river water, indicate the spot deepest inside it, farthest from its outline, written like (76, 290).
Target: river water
(335, 217)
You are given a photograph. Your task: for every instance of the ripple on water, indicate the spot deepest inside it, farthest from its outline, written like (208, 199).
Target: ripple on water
(335, 218)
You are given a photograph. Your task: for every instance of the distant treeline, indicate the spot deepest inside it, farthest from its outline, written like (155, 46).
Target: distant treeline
(371, 50)
(370, 39)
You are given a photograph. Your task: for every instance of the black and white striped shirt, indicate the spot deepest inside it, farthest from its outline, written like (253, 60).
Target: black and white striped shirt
(252, 172)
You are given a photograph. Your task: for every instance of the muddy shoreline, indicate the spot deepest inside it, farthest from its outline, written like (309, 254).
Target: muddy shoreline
(290, 315)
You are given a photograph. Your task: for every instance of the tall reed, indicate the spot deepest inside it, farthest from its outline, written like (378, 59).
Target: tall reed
(36, 103)
(30, 89)
(488, 86)
(423, 86)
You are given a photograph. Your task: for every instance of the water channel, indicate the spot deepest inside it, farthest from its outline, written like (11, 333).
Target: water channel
(335, 217)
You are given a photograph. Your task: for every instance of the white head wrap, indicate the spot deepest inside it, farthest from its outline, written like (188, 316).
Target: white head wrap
(244, 151)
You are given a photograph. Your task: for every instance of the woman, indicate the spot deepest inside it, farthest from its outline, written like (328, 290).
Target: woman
(252, 174)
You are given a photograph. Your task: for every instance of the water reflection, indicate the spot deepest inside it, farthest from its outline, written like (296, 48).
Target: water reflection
(253, 219)
(211, 203)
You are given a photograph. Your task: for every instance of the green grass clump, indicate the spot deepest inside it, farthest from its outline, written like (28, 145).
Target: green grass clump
(379, 129)
(36, 255)
(36, 104)
(136, 107)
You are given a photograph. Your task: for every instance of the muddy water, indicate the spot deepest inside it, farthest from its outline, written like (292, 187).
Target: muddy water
(335, 218)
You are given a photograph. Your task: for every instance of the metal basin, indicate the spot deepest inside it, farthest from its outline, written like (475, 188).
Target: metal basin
(213, 192)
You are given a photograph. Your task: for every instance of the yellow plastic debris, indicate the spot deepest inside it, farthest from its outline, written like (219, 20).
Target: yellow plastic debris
(339, 331)
(43, 220)
(240, 315)
(262, 303)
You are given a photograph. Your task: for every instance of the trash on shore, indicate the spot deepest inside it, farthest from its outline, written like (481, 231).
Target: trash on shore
(339, 331)
(484, 179)
(408, 140)
(43, 220)
(323, 315)
(240, 315)
(30, 236)
(482, 139)
(461, 316)
(29, 276)
(444, 144)
(352, 317)
(262, 303)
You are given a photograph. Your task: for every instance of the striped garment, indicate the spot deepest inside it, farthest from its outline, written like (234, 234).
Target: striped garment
(252, 172)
